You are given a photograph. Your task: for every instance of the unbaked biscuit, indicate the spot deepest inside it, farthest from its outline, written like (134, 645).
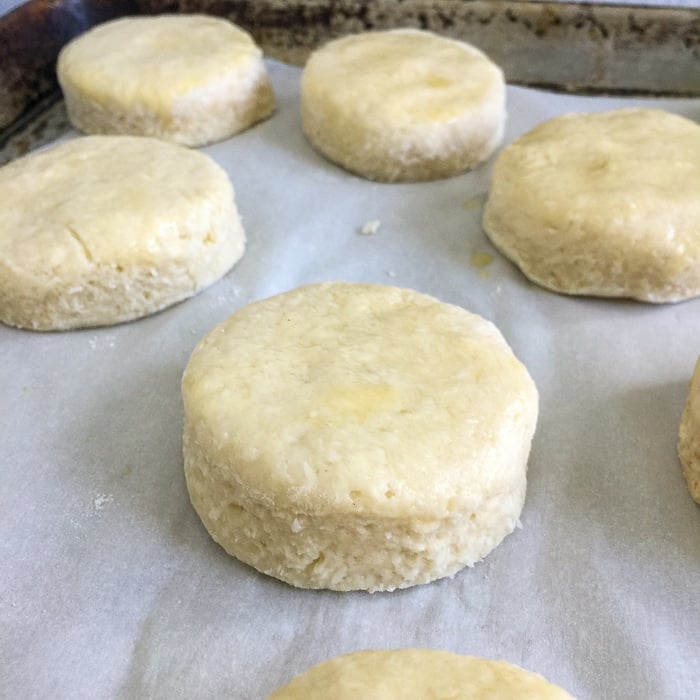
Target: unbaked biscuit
(417, 674)
(190, 79)
(352, 436)
(402, 105)
(602, 204)
(689, 437)
(105, 229)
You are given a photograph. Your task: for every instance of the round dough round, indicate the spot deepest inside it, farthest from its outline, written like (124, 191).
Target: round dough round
(190, 79)
(689, 437)
(352, 436)
(402, 105)
(104, 229)
(417, 674)
(604, 204)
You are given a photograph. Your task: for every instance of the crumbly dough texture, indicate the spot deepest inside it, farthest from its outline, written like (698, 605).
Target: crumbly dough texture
(689, 437)
(104, 229)
(402, 105)
(190, 79)
(602, 204)
(417, 674)
(352, 436)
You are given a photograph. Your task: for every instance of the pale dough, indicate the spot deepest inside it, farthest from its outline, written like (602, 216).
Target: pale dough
(190, 79)
(353, 436)
(689, 437)
(104, 229)
(604, 204)
(402, 105)
(417, 674)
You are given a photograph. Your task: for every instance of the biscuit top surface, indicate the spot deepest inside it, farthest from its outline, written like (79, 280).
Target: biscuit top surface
(340, 396)
(417, 674)
(635, 172)
(401, 76)
(152, 60)
(106, 199)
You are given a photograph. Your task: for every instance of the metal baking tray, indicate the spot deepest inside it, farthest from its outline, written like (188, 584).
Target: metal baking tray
(111, 588)
(576, 47)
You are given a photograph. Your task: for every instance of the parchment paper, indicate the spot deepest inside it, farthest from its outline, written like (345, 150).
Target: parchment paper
(111, 587)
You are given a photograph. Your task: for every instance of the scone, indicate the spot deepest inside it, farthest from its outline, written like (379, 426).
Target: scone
(417, 674)
(689, 437)
(402, 105)
(104, 229)
(602, 204)
(353, 436)
(191, 79)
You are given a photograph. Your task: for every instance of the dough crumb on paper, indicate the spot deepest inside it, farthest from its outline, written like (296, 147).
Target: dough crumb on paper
(369, 228)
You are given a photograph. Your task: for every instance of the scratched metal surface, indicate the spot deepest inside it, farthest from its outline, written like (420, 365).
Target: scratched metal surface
(577, 47)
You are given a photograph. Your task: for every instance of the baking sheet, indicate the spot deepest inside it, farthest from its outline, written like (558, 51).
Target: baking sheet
(111, 587)
(573, 46)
